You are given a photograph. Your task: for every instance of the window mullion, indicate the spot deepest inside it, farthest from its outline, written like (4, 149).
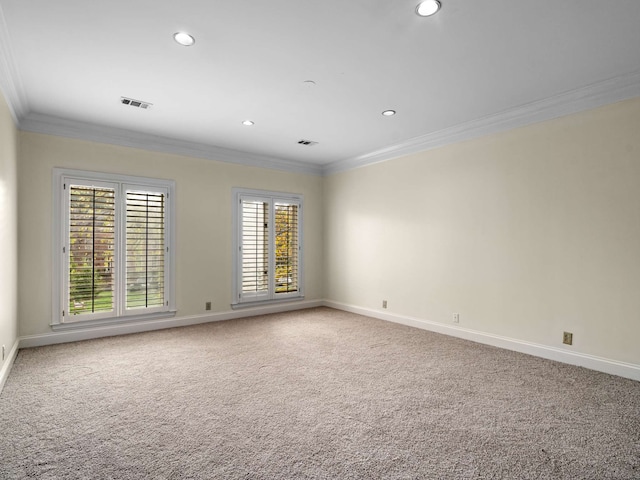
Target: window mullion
(120, 254)
(272, 249)
(167, 242)
(64, 252)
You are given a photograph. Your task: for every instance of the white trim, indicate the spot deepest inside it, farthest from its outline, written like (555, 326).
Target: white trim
(614, 367)
(105, 321)
(594, 95)
(587, 97)
(8, 363)
(276, 301)
(60, 211)
(577, 100)
(271, 198)
(29, 341)
(605, 365)
(49, 125)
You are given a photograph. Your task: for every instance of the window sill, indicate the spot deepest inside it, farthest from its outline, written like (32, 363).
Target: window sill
(58, 327)
(262, 303)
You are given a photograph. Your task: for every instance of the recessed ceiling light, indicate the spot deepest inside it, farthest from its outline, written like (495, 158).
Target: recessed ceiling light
(388, 113)
(247, 123)
(428, 8)
(184, 39)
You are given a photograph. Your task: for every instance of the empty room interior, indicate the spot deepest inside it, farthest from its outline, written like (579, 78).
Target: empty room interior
(361, 239)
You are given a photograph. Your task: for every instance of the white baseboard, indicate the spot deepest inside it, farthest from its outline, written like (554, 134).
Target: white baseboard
(40, 340)
(614, 367)
(8, 363)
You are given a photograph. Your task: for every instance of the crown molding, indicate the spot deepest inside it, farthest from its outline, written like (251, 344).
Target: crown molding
(574, 101)
(10, 84)
(591, 96)
(584, 98)
(16, 98)
(49, 125)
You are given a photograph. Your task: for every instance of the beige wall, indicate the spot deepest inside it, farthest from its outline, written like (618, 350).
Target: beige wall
(8, 230)
(203, 219)
(526, 234)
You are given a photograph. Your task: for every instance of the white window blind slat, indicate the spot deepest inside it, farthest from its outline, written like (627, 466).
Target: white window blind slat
(254, 246)
(268, 246)
(286, 248)
(91, 246)
(145, 249)
(113, 238)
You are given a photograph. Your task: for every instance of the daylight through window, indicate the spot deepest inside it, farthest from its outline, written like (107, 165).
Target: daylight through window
(114, 244)
(268, 246)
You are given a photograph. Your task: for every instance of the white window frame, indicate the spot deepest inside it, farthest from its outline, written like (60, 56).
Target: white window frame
(239, 300)
(64, 178)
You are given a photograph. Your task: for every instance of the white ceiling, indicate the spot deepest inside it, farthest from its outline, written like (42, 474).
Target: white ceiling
(474, 68)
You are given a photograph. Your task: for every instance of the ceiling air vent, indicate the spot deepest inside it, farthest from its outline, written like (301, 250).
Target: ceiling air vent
(135, 103)
(308, 143)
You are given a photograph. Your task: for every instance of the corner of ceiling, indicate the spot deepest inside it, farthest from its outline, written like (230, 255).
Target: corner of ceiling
(10, 83)
(12, 88)
(62, 127)
(583, 98)
(573, 101)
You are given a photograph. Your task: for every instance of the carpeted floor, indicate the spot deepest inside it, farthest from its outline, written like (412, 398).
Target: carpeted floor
(312, 394)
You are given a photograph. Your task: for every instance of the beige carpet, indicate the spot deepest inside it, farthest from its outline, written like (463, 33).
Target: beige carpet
(312, 394)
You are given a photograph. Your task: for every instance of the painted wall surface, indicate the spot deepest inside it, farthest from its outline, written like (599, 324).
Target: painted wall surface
(203, 219)
(8, 230)
(525, 234)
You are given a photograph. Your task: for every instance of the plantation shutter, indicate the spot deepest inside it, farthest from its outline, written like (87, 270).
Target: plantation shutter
(91, 243)
(286, 247)
(254, 247)
(145, 249)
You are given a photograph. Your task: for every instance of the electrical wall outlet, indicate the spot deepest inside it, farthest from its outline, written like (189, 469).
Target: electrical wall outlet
(207, 306)
(384, 304)
(567, 338)
(456, 318)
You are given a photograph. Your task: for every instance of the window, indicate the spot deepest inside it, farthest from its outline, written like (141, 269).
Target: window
(113, 255)
(267, 246)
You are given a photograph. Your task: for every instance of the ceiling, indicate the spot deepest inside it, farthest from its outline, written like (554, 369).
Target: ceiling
(473, 68)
